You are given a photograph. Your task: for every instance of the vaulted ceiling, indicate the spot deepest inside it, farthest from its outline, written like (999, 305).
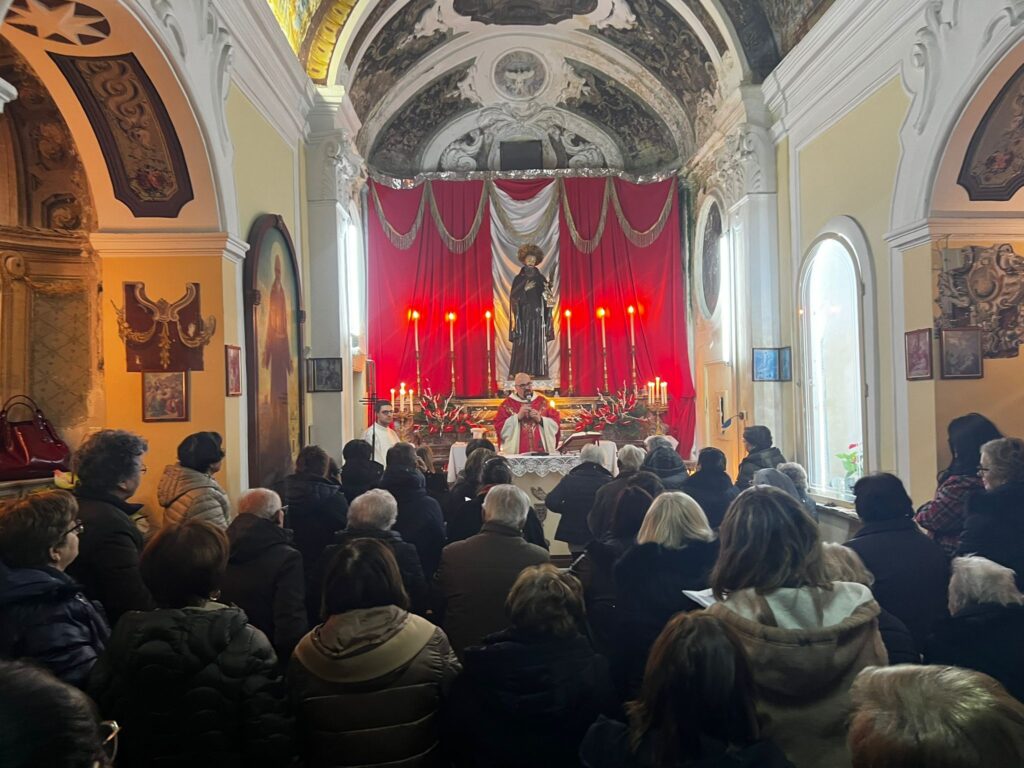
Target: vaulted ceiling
(450, 85)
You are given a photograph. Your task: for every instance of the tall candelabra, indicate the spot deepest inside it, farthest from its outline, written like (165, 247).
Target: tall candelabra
(601, 314)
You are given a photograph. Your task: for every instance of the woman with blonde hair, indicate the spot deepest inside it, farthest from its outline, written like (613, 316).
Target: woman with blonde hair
(675, 551)
(941, 717)
(528, 693)
(995, 518)
(807, 636)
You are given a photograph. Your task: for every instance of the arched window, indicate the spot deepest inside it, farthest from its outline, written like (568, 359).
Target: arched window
(834, 389)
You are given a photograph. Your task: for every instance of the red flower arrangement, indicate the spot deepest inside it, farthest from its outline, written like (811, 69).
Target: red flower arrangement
(624, 414)
(438, 417)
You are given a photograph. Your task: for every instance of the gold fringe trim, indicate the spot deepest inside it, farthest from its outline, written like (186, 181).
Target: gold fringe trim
(401, 241)
(458, 244)
(585, 245)
(527, 238)
(648, 236)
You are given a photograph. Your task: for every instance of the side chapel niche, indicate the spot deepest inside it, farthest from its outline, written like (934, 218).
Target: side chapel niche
(49, 305)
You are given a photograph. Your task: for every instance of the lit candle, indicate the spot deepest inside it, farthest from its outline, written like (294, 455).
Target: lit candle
(601, 312)
(487, 315)
(664, 393)
(551, 403)
(451, 332)
(657, 389)
(632, 324)
(401, 397)
(568, 329)
(416, 328)
(650, 392)
(392, 398)
(412, 403)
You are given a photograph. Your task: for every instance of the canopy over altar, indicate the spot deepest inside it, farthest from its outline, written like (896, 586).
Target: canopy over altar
(454, 307)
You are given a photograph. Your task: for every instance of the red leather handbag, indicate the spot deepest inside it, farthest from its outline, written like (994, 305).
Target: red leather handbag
(29, 449)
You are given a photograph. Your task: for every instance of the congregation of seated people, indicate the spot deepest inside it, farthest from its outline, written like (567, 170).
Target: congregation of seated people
(376, 616)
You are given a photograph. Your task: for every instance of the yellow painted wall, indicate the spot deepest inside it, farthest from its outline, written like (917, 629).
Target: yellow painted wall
(265, 172)
(164, 278)
(787, 279)
(850, 170)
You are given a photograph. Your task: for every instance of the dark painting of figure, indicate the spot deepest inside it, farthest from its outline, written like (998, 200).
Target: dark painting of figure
(273, 354)
(530, 327)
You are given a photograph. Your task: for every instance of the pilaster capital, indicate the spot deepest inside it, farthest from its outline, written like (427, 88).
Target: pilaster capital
(134, 245)
(8, 93)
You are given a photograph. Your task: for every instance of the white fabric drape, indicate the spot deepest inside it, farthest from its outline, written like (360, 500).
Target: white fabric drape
(524, 216)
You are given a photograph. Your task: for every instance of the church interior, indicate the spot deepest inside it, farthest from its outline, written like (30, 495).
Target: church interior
(269, 218)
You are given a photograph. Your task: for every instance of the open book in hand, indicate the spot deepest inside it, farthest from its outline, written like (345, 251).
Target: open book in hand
(703, 598)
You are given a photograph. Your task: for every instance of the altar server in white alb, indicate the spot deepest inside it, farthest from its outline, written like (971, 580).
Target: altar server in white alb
(380, 434)
(525, 422)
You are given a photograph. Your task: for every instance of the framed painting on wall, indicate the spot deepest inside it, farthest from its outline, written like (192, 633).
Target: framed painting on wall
(232, 370)
(961, 353)
(165, 396)
(918, 346)
(324, 374)
(273, 344)
(772, 363)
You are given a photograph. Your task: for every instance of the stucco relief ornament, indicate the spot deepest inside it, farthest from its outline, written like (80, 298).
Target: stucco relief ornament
(162, 315)
(344, 174)
(984, 286)
(463, 154)
(520, 75)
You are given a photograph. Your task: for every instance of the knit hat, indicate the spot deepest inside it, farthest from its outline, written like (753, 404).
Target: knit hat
(664, 462)
(200, 450)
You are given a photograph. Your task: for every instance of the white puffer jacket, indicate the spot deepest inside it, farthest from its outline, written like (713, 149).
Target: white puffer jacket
(186, 494)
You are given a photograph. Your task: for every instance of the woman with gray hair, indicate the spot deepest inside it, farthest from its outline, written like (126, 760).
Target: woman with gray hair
(995, 518)
(371, 516)
(798, 475)
(986, 631)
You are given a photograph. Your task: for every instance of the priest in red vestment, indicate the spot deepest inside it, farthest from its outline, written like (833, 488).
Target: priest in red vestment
(526, 422)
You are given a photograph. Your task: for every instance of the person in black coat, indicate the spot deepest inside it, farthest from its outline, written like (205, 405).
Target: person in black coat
(599, 519)
(360, 472)
(986, 630)
(265, 576)
(467, 484)
(675, 551)
(470, 518)
(419, 516)
(668, 466)
(697, 706)
(595, 568)
(573, 497)
(315, 507)
(710, 486)
(192, 684)
(843, 564)
(370, 517)
(527, 694)
(911, 571)
(995, 518)
(761, 454)
(109, 469)
(44, 617)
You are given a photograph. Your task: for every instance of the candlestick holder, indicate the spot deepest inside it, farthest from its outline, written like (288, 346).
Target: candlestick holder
(490, 379)
(658, 407)
(451, 357)
(604, 366)
(419, 384)
(405, 425)
(632, 362)
(571, 390)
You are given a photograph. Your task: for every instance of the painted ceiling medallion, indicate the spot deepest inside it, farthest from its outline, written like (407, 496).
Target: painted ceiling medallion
(520, 75)
(531, 12)
(62, 21)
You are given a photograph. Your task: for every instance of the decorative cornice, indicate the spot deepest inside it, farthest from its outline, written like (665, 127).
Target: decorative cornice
(743, 165)
(910, 236)
(134, 245)
(318, 47)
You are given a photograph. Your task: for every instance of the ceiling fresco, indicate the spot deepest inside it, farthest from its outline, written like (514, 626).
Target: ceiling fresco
(653, 71)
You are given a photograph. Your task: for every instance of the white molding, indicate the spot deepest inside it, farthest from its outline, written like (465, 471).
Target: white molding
(855, 47)
(266, 69)
(8, 93)
(910, 236)
(141, 245)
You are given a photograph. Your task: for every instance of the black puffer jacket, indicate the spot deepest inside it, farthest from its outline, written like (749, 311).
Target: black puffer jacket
(995, 527)
(107, 565)
(317, 509)
(766, 458)
(668, 466)
(406, 556)
(714, 492)
(195, 687)
(358, 476)
(264, 578)
(526, 700)
(650, 580)
(419, 516)
(45, 618)
(573, 498)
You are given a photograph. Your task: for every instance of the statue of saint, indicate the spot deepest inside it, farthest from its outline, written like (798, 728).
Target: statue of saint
(530, 328)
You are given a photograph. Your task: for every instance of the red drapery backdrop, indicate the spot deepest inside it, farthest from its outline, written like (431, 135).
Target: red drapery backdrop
(434, 280)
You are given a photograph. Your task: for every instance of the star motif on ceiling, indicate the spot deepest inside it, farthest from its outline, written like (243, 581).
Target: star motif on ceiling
(63, 22)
